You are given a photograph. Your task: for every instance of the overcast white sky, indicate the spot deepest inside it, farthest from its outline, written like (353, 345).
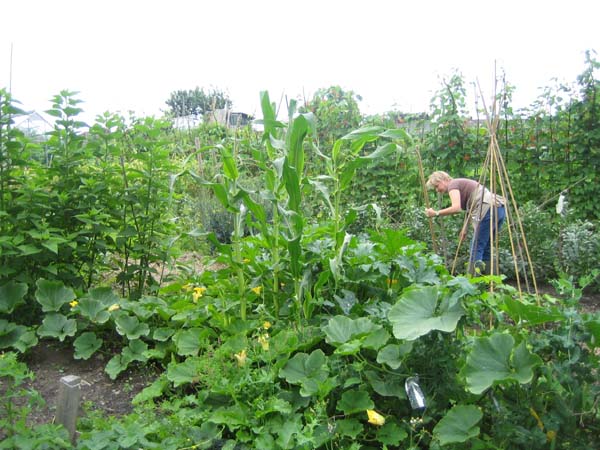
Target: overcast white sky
(126, 55)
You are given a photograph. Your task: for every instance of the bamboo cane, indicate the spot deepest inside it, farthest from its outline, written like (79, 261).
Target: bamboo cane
(426, 198)
(504, 179)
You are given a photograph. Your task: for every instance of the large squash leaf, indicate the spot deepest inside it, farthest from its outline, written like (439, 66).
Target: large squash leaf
(131, 327)
(310, 372)
(184, 372)
(524, 313)
(53, 294)
(458, 425)
(342, 329)
(11, 295)
(57, 326)
(86, 345)
(354, 402)
(495, 359)
(420, 311)
(94, 310)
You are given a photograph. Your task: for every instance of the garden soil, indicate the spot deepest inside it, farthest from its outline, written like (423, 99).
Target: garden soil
(50, 361)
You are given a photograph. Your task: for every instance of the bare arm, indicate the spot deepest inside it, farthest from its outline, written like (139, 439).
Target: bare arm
(452, 209)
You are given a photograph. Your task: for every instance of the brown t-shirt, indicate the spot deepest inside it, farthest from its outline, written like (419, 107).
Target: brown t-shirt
(466, 188)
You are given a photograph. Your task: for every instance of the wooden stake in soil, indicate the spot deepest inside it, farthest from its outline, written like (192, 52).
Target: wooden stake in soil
(69, 396)
(426, 198)
(498, 177)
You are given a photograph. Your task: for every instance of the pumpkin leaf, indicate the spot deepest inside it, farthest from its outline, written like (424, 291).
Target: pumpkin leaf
(458, 425)
(495, 359)
(420, 311)
(52, 295)
(11, 295)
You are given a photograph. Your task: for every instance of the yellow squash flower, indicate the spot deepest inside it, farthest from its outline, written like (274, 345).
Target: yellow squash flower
(240, 358)
(267, 325)
(257, 290)
(263, 340)
(375, 418)
(198, 292)
(114, 307)
(74, 303)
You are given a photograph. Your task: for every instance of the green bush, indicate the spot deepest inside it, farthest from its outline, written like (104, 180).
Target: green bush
(541, 230)
(578, 249)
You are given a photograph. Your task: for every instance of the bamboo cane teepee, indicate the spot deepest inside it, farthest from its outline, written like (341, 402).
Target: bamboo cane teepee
(495, 176)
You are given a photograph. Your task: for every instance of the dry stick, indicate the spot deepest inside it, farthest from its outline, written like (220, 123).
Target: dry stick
(496, 160)
(426, 197)
(513, 227)
(571, 186)
(443, 239)
(493, 126)
(495, 169)
(510, 225)
(510, 236)
(481, 182)
(494, 211)
(490, 160)
(503, 193)
(519, 222)
(506, 208)
(489, 124)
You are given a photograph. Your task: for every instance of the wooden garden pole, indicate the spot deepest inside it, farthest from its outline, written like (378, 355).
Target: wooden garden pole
(426, 198)
(69, 395)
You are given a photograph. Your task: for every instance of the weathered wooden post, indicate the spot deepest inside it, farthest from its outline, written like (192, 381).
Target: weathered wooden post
(69, 395)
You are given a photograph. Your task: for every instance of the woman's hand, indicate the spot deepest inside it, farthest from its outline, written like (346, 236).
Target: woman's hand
(430, 212)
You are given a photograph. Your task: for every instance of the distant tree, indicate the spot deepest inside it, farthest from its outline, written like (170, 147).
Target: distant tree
(197, 101)
(337, 113)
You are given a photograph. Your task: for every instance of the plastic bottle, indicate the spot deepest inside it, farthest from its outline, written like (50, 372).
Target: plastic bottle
(414, 393)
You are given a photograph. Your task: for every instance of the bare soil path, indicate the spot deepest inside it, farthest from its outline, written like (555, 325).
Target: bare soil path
(50, 361)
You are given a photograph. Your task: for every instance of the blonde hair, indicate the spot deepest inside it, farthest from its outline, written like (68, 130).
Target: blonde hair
(436, 177)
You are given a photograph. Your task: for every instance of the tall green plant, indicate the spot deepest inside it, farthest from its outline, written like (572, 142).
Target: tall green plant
(12, 160)
(11, 151)
(337, 113)
(45, 200)
(586, 139)
(449, 146)
(144, 196)
(282, 163)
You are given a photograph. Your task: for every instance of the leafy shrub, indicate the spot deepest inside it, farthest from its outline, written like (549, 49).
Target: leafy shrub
(540, 230)
(578, 249)
(216, 219)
